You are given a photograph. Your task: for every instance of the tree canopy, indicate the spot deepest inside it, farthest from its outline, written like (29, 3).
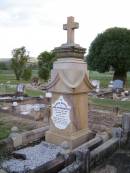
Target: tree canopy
(45, 63)
(111, 49)
(19, 61)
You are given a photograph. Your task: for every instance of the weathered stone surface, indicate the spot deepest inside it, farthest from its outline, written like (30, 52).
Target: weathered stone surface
(117, 132)
(33, 135)
(126, 122)
(22, 139)
(94, 143)
(70, 52)
(17, 139)
(70, 26)
(72, 85)
(73, 140)
(106, 149)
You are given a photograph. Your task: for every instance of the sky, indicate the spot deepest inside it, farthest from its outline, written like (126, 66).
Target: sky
(38, 24)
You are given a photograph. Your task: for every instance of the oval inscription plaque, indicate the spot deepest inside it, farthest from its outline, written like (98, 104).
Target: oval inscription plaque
(61, 113)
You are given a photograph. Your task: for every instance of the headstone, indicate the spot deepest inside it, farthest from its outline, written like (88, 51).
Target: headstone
(69, 87)
(20, 89)
(96, 84)
(110, 85)
(117, 85)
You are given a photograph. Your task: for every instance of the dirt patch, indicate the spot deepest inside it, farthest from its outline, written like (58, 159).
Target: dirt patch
(7, 121)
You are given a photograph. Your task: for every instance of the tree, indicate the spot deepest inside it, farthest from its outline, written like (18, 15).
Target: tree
(111, 49)
(45, 63)
(27, 73)
(19, 61)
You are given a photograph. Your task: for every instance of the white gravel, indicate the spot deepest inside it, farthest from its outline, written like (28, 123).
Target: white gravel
(36, 156)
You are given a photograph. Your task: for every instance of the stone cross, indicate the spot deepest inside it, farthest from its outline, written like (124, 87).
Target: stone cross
(70, 26)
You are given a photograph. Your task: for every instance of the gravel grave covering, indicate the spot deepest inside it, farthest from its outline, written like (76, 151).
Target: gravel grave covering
(35, 156)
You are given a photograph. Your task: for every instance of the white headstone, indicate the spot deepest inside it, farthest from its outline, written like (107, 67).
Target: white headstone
(96, 83)
(110, 85)
(20, 88)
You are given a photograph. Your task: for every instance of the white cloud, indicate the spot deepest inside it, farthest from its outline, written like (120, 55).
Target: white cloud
(37, 24)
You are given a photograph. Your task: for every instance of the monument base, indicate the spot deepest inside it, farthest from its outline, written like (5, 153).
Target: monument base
(75, 140)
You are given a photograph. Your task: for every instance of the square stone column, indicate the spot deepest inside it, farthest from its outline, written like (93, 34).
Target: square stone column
(69, 110)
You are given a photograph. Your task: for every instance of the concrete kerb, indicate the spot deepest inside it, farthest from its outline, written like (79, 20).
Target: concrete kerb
(12, 142)
(100, 153)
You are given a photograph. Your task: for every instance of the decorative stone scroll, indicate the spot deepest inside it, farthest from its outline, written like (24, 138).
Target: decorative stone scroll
(61, 113)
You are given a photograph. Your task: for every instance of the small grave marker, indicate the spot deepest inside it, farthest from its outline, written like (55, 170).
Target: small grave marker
(20, 89)
(96, 83)
(117, 85)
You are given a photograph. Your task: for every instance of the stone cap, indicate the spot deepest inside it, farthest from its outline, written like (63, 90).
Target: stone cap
(68, 51)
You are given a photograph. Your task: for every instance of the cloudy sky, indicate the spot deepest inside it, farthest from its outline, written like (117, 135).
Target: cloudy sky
(37, 24)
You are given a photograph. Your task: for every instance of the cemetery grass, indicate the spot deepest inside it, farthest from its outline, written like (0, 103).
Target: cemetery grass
(34, 93)
(105, 78)
(8, 75)
(7, 78)
(109, 103)
(29, 92)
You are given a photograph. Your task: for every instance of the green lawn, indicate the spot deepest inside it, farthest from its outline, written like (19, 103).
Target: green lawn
(34, 93)
(8, 76)
(4, 130)
(105, 78)
(123, 105)
(8, 83)
(5, 89)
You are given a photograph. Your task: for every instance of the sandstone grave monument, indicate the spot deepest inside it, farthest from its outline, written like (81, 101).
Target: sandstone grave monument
(69, 86)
